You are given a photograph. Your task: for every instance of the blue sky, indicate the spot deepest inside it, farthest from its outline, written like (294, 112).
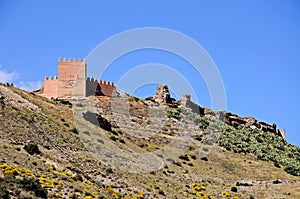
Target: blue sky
(255, 45)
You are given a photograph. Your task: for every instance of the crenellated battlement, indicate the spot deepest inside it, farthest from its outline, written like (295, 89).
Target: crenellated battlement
(91, 79)
(106, 83)
(101, 82)
(99, 87)
(50, 78)
(72, 81)
(50, 86)
(71, 60)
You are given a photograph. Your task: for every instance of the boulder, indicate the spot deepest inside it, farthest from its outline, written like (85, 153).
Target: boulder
(208, 112)
(250, 120)
(97, 120)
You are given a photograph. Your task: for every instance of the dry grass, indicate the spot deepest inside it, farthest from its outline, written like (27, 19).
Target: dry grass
(77, 171)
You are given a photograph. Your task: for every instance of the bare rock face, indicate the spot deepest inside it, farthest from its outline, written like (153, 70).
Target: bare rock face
(162, 94)
(230, 118)
(185, 101)
(97, 120)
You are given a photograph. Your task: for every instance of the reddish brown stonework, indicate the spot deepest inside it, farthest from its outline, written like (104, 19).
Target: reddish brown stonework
(72, 81)
(230, 118)
(96, 87)
(107, 88)
(50, 87)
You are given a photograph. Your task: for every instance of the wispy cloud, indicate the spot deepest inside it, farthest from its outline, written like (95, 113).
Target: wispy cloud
(29, 86)
(7, 76)
(13, 77)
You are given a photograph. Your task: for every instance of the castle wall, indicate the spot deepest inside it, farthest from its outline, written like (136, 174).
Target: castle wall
(107, 88)
(50, 87)
(96, 87)
(92, 87)
(72, 81)
(71, 77)
(231, 119)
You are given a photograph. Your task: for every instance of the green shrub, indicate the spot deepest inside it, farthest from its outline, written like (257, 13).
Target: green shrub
(109, 170)
(4, 193)
(198, 137)
(161, 192)
(114, 132)
(292, 170)
(113, 138)
(74, 196)
(184, 157)
(204, 159)
(32, 149)
(276, 164)
(266, 146)
(233, 189)
(122, 141)
(190, 164)
(34, 185)
(78, 177)
(74, 130)
(174, 114)
(204, 123)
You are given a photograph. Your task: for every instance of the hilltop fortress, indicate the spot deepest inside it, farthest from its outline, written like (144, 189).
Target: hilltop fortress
(72, 81)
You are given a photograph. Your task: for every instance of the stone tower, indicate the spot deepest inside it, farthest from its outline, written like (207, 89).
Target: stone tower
(71, 77)
(70, 81)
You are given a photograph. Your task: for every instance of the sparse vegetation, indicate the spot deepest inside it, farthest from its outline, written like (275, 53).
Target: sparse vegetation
(31, 184)
(67, 169)
(32, 148)
(184, 157)
(233, 189)
(113, 138)
(74, 130)
(204, 158)
(175, 114)
(266, 146)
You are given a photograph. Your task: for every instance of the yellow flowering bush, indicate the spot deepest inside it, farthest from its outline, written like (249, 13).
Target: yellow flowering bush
(200, 193)
(226, 194)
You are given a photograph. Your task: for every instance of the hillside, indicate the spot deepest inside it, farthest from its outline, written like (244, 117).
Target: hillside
(126, 147)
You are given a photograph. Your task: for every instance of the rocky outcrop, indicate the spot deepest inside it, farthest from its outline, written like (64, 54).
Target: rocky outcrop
(235, 120)
(230, 118)
(162, 94)
(98, 120)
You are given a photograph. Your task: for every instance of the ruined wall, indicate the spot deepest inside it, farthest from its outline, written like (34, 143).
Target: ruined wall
(71, 77)
(96, 87)
(92, 87)
(230, 118)
(50, 87)
(107, 88)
